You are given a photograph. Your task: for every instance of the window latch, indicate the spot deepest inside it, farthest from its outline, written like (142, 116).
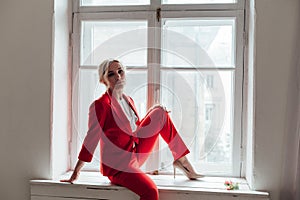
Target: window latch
(158, 14)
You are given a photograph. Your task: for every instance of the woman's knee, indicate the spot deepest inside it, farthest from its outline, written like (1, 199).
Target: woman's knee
(159, 111)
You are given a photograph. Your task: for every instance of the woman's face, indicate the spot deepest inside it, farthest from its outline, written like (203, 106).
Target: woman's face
(115, 79)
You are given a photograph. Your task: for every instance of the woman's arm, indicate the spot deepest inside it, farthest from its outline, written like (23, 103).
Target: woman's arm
(75, 173)
(91, 140)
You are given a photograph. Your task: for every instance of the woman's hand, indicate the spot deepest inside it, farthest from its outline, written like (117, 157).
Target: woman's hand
(73, 178)
(75, 173)
(158, 106)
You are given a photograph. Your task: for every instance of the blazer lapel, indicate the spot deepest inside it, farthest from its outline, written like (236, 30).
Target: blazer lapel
(119, 116)
(131, 104)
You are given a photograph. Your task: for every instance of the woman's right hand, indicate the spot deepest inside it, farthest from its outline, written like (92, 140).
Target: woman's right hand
(75, 173)
(73, 178)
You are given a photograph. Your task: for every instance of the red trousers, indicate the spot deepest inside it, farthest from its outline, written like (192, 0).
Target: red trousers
(156, 122)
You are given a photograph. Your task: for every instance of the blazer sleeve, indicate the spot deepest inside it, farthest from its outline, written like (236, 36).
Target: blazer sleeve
(95, 125)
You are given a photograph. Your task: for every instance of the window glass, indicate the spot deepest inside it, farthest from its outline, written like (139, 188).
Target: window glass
(90, 90)
(202, 42)
(197, 1)
(189, 64)
(203, 116)
(114, 3)
(126, 40)
(136, 88)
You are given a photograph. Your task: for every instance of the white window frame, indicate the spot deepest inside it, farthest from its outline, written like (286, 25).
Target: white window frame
(78, 17)
(167, 11)
(240, 5)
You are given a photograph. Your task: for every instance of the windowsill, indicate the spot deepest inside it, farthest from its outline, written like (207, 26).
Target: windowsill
(165, 183)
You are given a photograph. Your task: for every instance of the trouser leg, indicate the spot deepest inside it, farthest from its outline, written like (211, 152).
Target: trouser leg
(138, 182)
(158, 122)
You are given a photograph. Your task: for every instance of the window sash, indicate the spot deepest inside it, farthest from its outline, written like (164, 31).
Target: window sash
(154, 4)
(154, 40)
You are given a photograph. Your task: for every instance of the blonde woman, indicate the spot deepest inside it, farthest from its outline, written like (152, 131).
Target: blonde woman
(126, 141)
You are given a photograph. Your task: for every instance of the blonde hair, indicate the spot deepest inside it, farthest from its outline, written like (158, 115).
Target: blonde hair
(103, 69)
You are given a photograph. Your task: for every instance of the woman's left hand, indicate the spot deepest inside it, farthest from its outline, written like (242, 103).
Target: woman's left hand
(159, 106)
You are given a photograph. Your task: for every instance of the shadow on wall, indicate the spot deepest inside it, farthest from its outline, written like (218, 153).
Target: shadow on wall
(290, 179)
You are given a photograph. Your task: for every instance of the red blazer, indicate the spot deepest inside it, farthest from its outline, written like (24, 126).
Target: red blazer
(109, 125)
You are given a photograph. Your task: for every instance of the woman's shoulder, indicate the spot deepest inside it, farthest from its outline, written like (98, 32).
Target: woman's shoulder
(104, 100)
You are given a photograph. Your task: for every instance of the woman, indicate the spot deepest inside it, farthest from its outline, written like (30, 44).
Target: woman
(125, 140)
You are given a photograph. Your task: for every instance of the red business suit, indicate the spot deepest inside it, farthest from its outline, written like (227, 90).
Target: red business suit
(123, 151)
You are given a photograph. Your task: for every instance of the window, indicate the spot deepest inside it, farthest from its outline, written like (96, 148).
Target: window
(187, 55)
(114, 3)
(209, 111)
(210, 81)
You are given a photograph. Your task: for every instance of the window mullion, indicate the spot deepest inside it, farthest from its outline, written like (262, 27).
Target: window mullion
(75, 5)
(75, 92)
(238, 84)
(155, 4)
(154, 40)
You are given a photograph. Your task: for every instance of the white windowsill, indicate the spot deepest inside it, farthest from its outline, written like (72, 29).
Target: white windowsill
(165, 183)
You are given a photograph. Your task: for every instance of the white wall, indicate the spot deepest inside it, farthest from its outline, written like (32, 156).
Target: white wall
(25, 80)
(25, 87)
(61, 87)
(277, 33)
(248, 121)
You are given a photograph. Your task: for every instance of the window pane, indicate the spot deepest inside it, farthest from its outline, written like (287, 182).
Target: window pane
(125, 40)
(197, 1)
(136, 88)
(114, 3)
(90, 89)
(199, 42)
(203, 113)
